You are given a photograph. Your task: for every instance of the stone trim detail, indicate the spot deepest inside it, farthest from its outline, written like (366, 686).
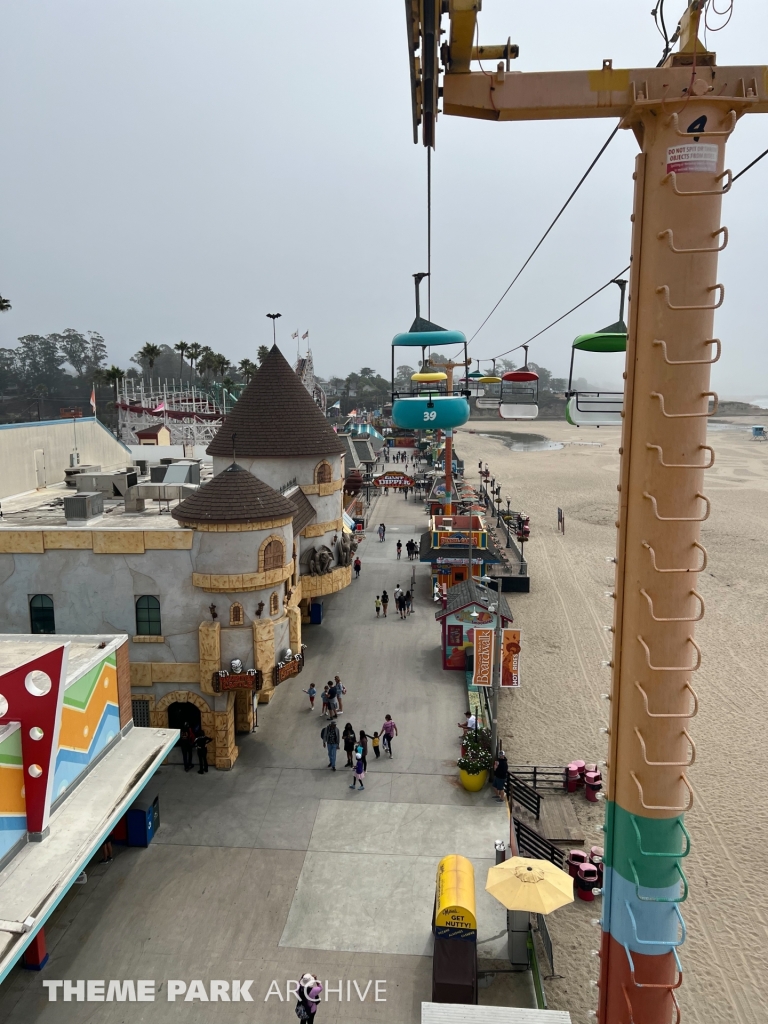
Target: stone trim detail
(330, 583)
(101, 542)
(323, 490)
(323, 469)
(145, 673)
(318, 529)
(213, 583)
(148, 639)
(209, 644)
(265, 524)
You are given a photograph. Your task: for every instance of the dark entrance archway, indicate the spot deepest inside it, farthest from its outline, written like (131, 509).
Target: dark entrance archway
(183, 711)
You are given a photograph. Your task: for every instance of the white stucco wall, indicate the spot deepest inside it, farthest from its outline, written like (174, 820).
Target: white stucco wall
(95, 593)
(18, 442)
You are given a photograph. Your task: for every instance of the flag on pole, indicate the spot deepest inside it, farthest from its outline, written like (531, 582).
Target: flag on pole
(295, 335)
(305, 336)
(93, 398)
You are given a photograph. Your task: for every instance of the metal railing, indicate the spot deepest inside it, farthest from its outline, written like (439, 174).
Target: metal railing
(546, 942)
(531, 844)
(523, 794)
(541, 776)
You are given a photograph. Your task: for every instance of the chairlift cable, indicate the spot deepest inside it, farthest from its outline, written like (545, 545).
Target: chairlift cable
(429, 232)
(551, 226)
(750, 165)
(554, 322)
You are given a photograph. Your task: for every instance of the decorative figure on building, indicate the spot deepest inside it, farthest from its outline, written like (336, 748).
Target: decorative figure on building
(259, 609)
(346, 549)
(212, 610)
(319, 561)
(236, 666)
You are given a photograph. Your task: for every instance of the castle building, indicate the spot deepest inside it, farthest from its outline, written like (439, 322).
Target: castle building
(221, 585)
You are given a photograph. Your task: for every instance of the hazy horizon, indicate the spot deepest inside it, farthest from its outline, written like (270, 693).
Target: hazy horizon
(176, 170)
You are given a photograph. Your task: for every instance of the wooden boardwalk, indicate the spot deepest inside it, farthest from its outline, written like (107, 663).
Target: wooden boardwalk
(558, 822)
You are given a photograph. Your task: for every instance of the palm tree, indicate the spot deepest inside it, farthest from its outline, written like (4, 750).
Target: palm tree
(262, 353)
(181, 348)
(111, 376)
(247, 369)
(205, 360)
(220, 364)
(149, 354)
(5, 305)
(193, 351)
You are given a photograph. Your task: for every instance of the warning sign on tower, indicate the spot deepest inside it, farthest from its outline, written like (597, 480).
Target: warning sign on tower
(692, 156)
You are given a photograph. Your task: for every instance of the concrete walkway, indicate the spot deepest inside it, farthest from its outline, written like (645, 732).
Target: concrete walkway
(277, 867)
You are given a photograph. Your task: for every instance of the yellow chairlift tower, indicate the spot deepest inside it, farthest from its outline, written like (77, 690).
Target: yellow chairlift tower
(682, 115)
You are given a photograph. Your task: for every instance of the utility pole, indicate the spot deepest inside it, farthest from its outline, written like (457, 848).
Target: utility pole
(449, 367)
(682, 115)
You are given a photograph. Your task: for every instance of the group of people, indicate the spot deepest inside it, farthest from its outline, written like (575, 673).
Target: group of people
(193, 738)
(356, 746)
(332, 697)
(403, 602)
(411, 547)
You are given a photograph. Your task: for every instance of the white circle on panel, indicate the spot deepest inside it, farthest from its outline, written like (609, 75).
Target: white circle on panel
(38, 683)
(35, 771)
(3, 706)
(36, 733)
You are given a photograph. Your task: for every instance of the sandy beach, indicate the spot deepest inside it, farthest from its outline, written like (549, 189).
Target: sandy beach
(556, 715)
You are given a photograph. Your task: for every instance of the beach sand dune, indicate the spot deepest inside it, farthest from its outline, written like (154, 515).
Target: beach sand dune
(558, 711)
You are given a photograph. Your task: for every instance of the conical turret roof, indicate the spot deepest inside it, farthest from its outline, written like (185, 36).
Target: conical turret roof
(275, 417)
(234, 496)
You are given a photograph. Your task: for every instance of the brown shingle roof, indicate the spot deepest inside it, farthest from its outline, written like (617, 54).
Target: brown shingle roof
(275, 417)
(306, 513)
(234, 496)
(151, 431)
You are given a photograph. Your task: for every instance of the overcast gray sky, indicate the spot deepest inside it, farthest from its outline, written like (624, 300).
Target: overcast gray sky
(179, 168)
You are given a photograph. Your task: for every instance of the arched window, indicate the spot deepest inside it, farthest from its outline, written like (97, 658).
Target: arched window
(148, 616)
(274, 603)
(236, 614)
(323, 473)
(41, 614)
(273, 555)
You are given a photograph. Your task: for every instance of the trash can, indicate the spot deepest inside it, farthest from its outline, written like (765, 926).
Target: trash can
(143, 820)
(582, 766)
(596, 857)
(316, 613)
(575, 859)
(586, 881)
(574, 777)
(593, 783)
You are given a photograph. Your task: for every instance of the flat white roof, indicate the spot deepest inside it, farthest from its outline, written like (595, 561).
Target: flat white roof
(44, 509)
(460, 1013)
(34, 881)
(84, 651)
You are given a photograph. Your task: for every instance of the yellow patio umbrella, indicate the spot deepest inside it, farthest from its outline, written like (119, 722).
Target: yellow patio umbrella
(522, 883)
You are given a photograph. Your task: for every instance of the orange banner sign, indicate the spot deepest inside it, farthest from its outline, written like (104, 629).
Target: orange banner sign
(510, 657)
(483, 670)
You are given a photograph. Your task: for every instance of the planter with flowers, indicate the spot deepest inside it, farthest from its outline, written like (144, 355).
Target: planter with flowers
(473, 769)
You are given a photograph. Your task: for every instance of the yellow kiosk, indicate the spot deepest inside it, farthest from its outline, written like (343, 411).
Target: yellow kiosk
(454, 962)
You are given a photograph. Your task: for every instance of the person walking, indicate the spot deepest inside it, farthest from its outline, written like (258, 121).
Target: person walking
(375, 743)
(384, 602)
(381, 533)
(324, 698)
(341, 691)
(362, 748)
(350, 741)
(187, 745)
(359, 772)
(388, 730)
(309, 994)
(399, 549)
(201, 745)
(500, 773)
(378, 605)
(331, 742)
(407, 600)
(358, 566)
(333, 701)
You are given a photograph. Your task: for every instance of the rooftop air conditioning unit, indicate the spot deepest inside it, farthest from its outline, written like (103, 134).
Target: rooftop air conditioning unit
(85, 505)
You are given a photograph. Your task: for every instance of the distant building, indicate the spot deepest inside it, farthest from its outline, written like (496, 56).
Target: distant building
(154, 434)
(227, 577)
(305, 371)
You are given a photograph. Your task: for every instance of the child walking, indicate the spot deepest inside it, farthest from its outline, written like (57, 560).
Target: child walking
(359, 772)
(311, 693)
(375, 744)
(378, 606)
